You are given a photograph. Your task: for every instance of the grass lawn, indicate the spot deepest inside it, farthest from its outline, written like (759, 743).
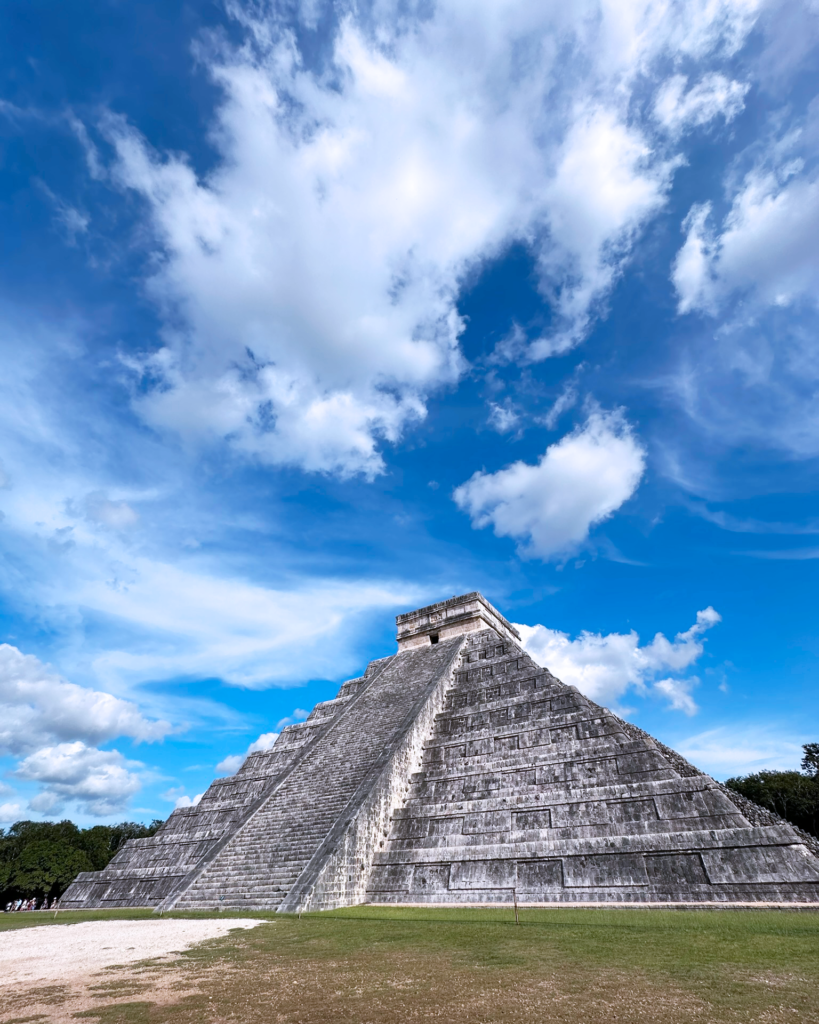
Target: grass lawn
(372, 965)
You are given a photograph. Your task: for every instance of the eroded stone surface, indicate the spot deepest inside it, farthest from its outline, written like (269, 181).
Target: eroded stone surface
(460, 771)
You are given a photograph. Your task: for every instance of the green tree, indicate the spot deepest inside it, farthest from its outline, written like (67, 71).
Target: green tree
(792, 795)
(46, 868)
(40, 859)
(810, 762)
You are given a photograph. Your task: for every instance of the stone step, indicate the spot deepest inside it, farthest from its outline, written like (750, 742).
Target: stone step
(449, 832)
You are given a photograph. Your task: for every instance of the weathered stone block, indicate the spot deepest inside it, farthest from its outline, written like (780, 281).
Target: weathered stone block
(761, 864)
(410, 828)
(446, 826)
(539, 875)
(488, 821)
(538, 818)
(428, 878)
(483, 874)
(594, 812)
(682, 805)
(632, 810)
(605, 870)
(675, 870)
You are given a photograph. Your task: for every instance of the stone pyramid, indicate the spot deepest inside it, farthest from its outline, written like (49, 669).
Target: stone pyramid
(459, 771)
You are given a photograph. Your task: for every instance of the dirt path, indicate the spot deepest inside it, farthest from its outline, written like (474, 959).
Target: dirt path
(63, 954)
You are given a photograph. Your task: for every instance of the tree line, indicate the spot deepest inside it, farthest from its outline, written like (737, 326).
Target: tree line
(40, 859)
(792, 795)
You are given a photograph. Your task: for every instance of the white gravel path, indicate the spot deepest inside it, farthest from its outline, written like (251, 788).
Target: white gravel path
(69, 952)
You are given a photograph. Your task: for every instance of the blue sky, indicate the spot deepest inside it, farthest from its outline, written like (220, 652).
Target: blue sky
(314, 313)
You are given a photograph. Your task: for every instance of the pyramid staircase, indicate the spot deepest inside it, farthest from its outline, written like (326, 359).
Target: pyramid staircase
(271, 856)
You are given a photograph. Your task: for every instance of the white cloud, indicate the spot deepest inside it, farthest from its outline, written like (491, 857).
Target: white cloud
(55, 725)
(92, 156)
(785, 554)
(310, 281)
(99, 782)
(69, 219)
(97, 507)
(177, 796)
(691, 272)
(247, 634)
(678, 694)
(579, 481)
(605, 667)
(752, 378)
(765, 249)
(606, 186)
(38, 706)
(503, 418)
(174, 609)
(791, 32)
(735, 524)
(186, 801)
(566, 400)
(10, 812)
(751, 385)
(233, 762)
(768, 244)
(713, 96)
(167, 610)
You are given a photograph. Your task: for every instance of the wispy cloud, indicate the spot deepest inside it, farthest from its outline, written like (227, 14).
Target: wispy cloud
(785, 555)
(742, 748)
(736, 524)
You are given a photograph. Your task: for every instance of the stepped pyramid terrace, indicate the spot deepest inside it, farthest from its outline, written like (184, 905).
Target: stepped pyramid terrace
(458, 771)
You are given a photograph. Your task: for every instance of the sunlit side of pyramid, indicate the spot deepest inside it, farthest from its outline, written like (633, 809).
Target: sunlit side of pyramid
(459, 771)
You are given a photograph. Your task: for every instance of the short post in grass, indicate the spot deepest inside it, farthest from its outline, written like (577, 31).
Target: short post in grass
(515, 898)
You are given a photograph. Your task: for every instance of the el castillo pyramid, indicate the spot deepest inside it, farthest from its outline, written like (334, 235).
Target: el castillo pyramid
(459, 771)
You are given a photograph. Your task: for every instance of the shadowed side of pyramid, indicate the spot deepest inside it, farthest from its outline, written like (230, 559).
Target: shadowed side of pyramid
(459, 771)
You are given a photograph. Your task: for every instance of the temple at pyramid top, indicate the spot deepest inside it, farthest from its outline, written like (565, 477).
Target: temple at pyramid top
(465, 614)
(459, 771)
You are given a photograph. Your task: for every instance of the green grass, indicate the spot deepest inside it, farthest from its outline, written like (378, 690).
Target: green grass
(650, 939)
(371, 965)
